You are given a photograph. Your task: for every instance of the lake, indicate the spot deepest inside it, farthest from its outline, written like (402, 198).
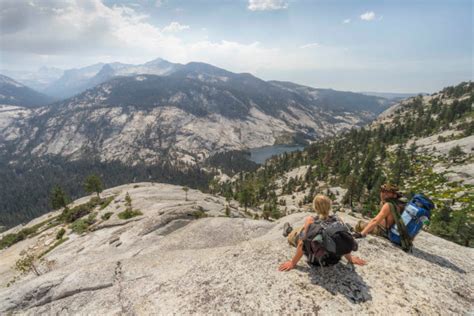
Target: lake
(260, 154)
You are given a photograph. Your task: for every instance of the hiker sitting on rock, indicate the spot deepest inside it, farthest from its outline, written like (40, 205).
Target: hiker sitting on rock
(398, 220)
(381, 223)
(323, 239)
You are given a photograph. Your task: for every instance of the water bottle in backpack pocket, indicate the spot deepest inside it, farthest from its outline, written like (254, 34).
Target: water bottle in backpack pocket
(416, 214)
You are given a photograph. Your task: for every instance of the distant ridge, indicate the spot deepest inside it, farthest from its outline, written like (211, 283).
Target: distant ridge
(14, 93)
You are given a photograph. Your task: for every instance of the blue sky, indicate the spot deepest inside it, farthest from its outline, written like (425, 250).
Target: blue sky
(390, 46)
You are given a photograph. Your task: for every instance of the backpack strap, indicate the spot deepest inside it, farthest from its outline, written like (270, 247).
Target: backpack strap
(405, 239)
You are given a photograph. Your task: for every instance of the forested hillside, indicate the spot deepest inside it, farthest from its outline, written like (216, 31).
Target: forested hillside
(423, 145)
(26, 186)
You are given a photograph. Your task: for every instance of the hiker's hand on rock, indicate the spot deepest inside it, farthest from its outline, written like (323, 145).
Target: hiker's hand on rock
(358, 261)
(357, 235)
(287, 266)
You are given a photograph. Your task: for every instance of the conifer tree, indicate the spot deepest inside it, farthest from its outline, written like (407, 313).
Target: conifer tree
(93, 184)
(58, 198)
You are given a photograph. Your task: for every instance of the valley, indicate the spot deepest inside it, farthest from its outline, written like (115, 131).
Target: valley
(163, 124)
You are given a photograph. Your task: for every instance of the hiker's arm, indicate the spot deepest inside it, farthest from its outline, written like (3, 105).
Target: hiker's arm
(377, 219)
(355, 260)
(287, 266)
(308, 221)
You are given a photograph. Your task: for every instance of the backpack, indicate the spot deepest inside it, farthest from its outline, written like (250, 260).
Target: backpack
(327, 241)
(415, 215)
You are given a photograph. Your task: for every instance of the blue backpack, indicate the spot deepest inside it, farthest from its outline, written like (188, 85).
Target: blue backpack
(417, 213)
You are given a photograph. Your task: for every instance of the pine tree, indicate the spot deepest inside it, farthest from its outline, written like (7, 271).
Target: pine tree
(58, 198)
(245, 196)
(185, 189)
(93, 184)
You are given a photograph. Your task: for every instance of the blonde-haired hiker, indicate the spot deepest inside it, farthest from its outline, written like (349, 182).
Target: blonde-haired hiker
(323, 239)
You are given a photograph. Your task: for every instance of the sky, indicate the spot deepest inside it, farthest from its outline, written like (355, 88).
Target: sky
(358, 45)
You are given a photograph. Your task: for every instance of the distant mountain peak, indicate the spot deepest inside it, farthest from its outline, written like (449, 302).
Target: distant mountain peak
(14, 93)
(157, 61)
(4, 80)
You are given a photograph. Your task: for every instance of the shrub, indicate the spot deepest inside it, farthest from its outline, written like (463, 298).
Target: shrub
(266, 214)
(91, 219)
(60, 233)
(9, 240)
(200, 213)
(57, 243)
(26, 232)
(276, 214)
(106, 202)
(456, 152)
(79, 226)
(129, 213)
(26, 264)
(106, 216)
(128, 201)
(70, 215)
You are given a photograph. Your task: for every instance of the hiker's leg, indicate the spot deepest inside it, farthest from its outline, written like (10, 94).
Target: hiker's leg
(293, 236)
(360, 226)
(377, 231)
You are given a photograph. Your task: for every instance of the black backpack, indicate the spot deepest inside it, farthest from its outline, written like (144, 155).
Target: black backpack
(327, 241)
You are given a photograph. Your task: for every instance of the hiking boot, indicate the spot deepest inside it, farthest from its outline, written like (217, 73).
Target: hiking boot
(287, 229)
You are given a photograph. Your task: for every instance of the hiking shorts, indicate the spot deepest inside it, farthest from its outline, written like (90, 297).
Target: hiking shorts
(379, 230)
(295, 236)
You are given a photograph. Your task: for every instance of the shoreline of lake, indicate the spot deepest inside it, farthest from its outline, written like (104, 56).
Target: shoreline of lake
(261, 154)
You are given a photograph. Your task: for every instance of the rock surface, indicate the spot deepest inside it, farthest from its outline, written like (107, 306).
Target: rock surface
(228, 265)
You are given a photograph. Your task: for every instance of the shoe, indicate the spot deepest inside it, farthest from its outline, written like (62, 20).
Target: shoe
(287, 229)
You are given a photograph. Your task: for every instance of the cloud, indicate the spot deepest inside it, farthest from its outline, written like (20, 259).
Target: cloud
(310, 45)
(346, 21)
(368, 16)
(75, 33)
(175, 27)
(265, 5)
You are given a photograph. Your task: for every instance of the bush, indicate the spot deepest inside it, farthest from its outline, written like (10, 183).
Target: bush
(106, 216)
(456, 152)
(79, 226)
(57, 243)
(70, 215)
(9, 240)
(91, 219)
(276, 214)
(200, 213)
(128, 213)
(106, 202)
(26, 264)
(60, 234)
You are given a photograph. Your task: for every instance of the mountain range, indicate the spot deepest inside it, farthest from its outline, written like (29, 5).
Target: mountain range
(14, 93)
(186, 113)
